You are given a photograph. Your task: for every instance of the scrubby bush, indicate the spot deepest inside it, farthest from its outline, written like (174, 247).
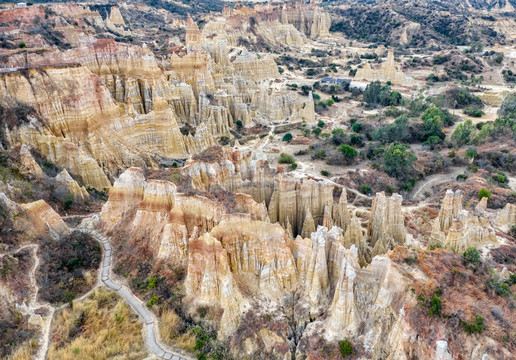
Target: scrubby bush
(356, 127)
(501, 288)
(287, 137)
(436, 306)
(471, 256)
(365, 189)
(325, 172)
(286, 159)
(348, 151)
(471, 152)
(68, 202)
(345, 347)
(396, 131)
(63, 266)
(320, 123)
(320, 154)
(484, 193)
(474, 327)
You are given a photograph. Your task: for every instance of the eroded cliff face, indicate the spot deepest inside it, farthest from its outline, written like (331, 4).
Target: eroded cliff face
(324, 285)
(104, 106)
(460, 229)
(275, 26)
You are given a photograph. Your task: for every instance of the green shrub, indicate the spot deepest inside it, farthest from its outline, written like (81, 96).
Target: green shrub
(153, 300)
(433, 141)
(68, 202)
(471, 152)
(286, 159)
(320, 154)
(21, 45)
(320, 123)
(293, 166)
(484, 193)
(461, 177)
(345, 348)
(436, 306)
(500, 288)
(330, 102)
(471, 256)
(239, 123)
(317, 131)
(348, 151)
(356, 127)
(436, 245)
(287, 137)
(474, 327)
(365, 189)
(325, 172)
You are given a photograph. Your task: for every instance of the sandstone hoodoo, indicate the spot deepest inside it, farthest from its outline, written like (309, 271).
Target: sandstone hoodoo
(272, 181)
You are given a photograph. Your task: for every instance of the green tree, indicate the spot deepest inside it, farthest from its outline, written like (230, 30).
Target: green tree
(287, 137)
(508, 108)
(396, 131)
(320, 123)
(433, 119)
(397, 160)
(463, 133)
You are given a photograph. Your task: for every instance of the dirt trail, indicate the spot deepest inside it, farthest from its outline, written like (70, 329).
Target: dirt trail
(421, 187)
(149, 321)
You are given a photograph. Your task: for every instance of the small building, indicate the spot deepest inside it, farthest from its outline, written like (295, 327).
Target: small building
(20, 5)
(335, 81)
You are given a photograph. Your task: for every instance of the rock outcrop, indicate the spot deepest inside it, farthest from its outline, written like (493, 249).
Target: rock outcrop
(458, 228)
(387, 224)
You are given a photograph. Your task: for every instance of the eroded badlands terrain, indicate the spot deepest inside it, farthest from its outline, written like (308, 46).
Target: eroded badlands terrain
(262, 181)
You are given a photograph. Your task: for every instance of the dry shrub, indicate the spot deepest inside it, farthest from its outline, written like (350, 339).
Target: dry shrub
(100, 327)
(25, 351)
(172, 330)
(211, 154)
(170, 326)
(186, 341)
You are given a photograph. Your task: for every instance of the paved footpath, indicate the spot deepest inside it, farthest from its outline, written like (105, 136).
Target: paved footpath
(128, 296)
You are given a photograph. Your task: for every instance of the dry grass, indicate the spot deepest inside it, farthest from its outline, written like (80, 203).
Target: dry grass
(170, 327)
(99, 327)
(25, 351)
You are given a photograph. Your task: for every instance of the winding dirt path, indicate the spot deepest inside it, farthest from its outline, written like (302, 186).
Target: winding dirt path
(150, 322)
(429, 180)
